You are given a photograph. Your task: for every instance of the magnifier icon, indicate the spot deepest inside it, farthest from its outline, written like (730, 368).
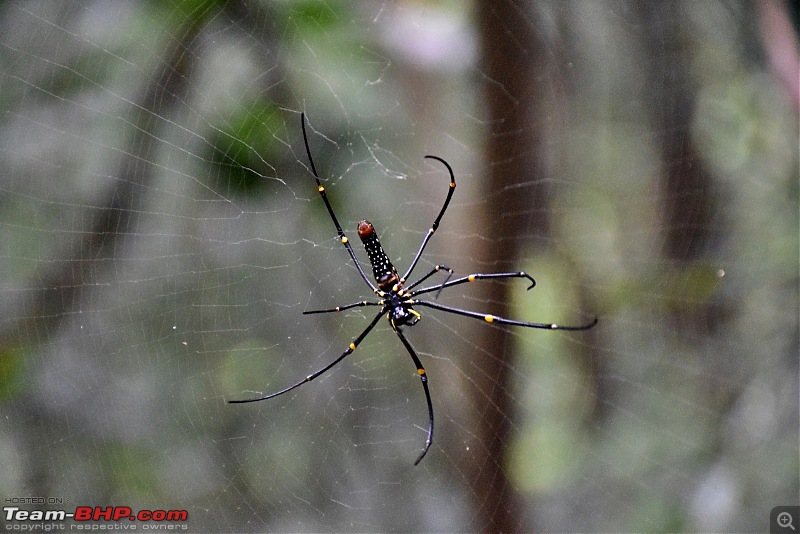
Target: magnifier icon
(785, 520)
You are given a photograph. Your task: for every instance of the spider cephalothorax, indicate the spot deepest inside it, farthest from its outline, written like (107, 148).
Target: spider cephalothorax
(397, 299)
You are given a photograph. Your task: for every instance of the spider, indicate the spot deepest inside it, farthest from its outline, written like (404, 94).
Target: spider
(397, 300)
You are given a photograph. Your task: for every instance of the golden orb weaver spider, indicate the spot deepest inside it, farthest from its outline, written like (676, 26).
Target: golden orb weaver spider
(397, 299)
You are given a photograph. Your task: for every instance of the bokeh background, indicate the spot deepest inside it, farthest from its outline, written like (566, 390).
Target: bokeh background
(161, 235)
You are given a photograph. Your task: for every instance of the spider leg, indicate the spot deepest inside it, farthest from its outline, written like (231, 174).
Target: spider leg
(497, 320)
(346, 307)
(433, 271)
(424, 378)
(436, 222)
(315, 374)
(321, 190)
(472, 278)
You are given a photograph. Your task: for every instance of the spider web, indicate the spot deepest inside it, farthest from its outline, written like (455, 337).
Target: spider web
(162, 236)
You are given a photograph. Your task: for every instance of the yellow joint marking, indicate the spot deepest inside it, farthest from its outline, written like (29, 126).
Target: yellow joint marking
(452, 184)
(337, 308)
(471, 278)
(431, 230)
(416, 313)
(421, 372)
(344, 239)
(488, 318)
(353, 347)
(395, 287)
(320, 188)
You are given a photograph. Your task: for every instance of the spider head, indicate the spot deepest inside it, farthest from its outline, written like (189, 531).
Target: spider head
(402, 315)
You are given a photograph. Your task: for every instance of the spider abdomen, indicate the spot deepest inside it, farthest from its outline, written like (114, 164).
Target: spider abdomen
(382, 268)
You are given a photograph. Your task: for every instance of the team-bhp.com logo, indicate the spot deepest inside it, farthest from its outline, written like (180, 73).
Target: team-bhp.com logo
(96, 514)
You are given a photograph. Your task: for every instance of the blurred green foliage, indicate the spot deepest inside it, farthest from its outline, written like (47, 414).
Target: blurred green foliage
(677, 413)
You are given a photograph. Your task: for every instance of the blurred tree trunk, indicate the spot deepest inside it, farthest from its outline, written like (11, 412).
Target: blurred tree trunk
(686, 189)
(511, 54)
